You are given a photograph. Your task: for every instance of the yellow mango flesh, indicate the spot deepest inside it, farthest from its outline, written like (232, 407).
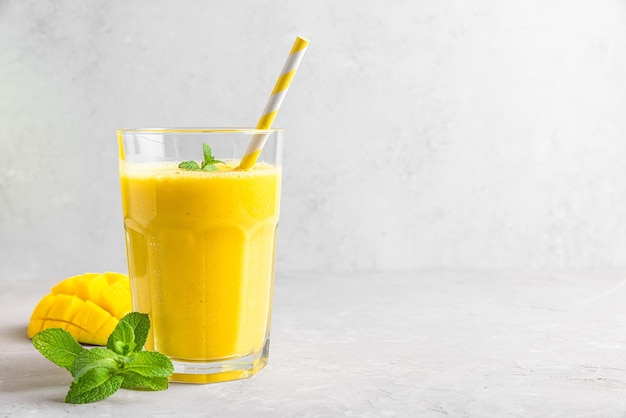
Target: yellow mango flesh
(88, 306)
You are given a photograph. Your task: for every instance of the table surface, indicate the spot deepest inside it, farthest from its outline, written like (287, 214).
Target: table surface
(400, 344)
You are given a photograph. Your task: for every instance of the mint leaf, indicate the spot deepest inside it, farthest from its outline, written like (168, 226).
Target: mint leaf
(98, 357)
(189, 165)
(140, 324)
(94, 385)
(209, 167)
(122, 339)
(209, 160)
(137, 382)
(208, 153)
(58, 346)
(149, 364)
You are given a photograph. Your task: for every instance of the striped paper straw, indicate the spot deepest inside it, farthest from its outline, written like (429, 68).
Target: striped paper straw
(273, 104)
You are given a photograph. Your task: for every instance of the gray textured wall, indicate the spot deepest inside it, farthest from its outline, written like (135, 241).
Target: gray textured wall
(420, 134)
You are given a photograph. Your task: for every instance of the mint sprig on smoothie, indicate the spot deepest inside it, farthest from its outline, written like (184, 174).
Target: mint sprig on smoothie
(208, 163)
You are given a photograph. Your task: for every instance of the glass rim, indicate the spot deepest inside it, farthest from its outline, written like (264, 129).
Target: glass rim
(199, 130)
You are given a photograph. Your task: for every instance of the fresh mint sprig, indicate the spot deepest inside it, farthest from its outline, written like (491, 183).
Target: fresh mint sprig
(208, 164)
(99, 372)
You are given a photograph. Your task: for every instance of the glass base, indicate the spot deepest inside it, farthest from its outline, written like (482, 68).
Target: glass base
(220, 370)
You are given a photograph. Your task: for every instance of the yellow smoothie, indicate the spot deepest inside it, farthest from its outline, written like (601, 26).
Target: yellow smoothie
(201, 256)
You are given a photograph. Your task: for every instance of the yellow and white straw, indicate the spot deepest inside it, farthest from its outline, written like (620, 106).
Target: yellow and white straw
(273, 104)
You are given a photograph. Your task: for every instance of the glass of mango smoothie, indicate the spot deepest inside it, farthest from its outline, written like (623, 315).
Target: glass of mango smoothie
(201, 240)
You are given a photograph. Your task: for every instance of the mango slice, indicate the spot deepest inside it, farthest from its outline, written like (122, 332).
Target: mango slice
(88, 306)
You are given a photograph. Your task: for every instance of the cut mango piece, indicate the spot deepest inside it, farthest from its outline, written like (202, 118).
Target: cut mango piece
(88, 306)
